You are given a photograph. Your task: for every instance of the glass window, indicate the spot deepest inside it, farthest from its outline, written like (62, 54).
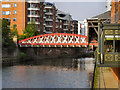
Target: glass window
(60, 26)
(14, 26)
(5, 12)
(14, 19)
(14, 5)
(108, 45)
(117, 46)
(14, 12)
(6, 5)
(28, 19)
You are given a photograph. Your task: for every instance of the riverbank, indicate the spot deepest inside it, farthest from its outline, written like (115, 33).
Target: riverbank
(104, 78)
(8, 60)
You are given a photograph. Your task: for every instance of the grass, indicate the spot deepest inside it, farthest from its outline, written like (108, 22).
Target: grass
(96, 77)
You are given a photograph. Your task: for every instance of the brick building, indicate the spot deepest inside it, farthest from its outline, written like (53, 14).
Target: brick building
(44, 14)
(15, 13)
(115, 11)
(115, 18)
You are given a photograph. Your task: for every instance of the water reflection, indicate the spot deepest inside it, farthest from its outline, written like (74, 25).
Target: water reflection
(49, 73)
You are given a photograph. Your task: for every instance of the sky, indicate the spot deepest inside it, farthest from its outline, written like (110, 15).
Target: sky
(81, 10)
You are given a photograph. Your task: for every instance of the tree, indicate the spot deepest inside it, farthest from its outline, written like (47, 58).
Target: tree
(30, 31)
(7, 42)
(13, 32)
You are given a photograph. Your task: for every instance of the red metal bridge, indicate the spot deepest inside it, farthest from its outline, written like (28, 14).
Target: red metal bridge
(55, 40)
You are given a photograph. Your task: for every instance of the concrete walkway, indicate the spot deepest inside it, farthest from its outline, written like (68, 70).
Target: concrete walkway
(106, 78)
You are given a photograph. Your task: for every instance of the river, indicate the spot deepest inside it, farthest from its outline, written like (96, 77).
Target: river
(49, 73)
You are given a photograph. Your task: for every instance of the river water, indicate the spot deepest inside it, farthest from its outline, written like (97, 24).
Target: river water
(49, 73)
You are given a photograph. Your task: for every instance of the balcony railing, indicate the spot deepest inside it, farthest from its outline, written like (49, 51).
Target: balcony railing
(33, 1)
(47, 6)
(65, 29)
(33, 15)
(49, 25)
(32, 8)
(65, 24)
(47, 31)
(48, 19)
(34, 22)
(49, 13)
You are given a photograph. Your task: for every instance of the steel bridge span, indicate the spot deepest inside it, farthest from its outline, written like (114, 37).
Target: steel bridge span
(55, 40)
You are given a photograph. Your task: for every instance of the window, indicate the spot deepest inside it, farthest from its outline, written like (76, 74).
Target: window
(6, 5)
(14, 5)
(60, 26)
(8, 19)
(108, 45)
(14, 26)
(14, 19)
(14, 12)
(117, 46)
(5, 12)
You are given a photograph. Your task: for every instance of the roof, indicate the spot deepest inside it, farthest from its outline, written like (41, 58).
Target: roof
(48, 3)
(63, 15)
(105, 15)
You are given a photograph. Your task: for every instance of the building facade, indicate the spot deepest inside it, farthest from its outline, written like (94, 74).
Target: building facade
(82, 27)
(115, 11)
(44, 14)
(108, 5)
(15, 13)
(115, 19)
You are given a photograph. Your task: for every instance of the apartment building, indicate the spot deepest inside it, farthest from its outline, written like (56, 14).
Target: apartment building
(65, 23)
(115, 18)
(82, 27)
(108, 5)
(15, 13)
(115, 11)
(44, 14)
(74, 26)
(49, 18)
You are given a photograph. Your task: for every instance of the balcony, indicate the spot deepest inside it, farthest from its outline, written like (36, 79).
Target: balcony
(34, 22)
(57, 21)
(49, 25)
(47, 19)
(33, 15)
(33, 1)
(71, 29)
(44, 17)
(65, 29)
(57, 26)
(47, 31)
(44, 24)
(48, 13)
(65, 24)
(44, 10)
(47, 6)
(32, 8)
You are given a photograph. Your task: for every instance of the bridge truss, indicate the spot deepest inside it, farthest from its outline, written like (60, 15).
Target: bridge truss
(55, 40)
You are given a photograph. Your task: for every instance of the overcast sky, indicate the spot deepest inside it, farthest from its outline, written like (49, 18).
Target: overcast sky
(81, 10)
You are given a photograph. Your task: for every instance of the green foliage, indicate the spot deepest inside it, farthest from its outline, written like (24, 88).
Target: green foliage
(30, 31)
(7, 42)
(96, 77)
(14, 32)
(21, 37)
(22, 56)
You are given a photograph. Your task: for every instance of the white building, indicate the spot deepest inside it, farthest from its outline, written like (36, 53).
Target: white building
(108, 5)
(82, 27)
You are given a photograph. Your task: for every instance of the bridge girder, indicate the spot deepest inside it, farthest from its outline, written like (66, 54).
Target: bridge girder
(55, 40)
